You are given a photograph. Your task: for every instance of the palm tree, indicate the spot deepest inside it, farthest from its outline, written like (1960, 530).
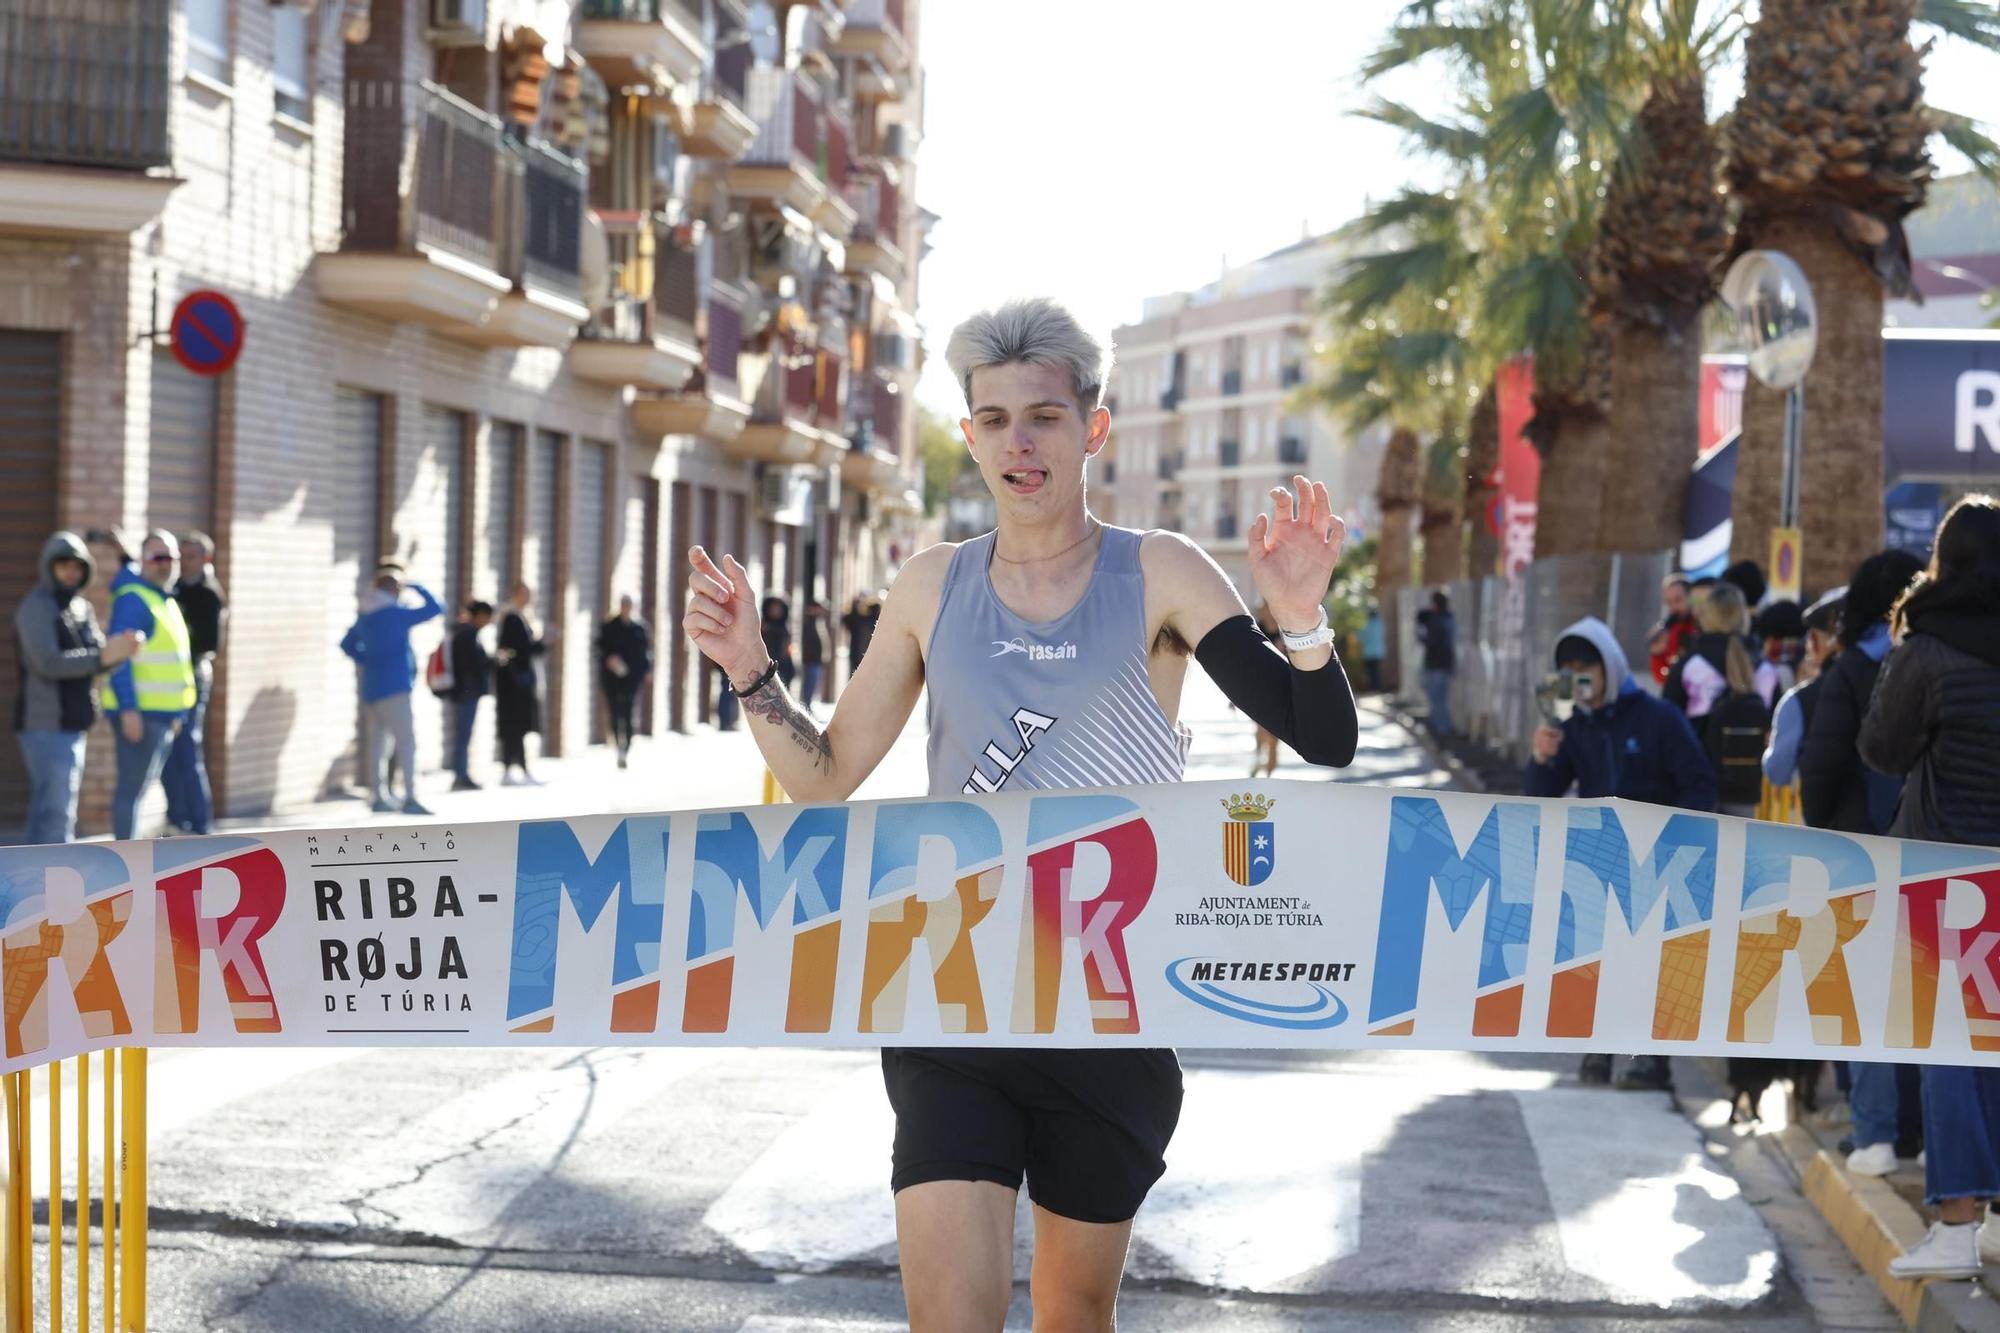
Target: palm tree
(1660, 234)
(1527, 143)
(1482, 460)
(1441, 518)
(1398, 489)
(1828, 152)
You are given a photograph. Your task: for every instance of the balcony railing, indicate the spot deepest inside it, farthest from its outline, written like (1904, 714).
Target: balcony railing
(653, 284)
(830, 390)
(1225, 525)
(1165, 466)
(885, 424)
(723, 356)
(1171, 398)
(1232, 383)
(85, 91)
(453, 198)
(642, 11)
(834, 154)
(1230, 451)
(886, 14)
(733, 58)
(1291, 375)
(788, 121)
(546, 241)
(798, 381)
(1291, 449)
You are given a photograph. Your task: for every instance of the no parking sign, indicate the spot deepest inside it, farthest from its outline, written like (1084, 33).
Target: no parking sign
(1785, 564)
(206, 332)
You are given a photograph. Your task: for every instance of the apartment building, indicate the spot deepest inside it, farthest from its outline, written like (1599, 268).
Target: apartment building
(1206, 412)
(534, 289)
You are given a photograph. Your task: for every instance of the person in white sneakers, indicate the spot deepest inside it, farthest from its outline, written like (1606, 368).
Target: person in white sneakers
(1935, 718)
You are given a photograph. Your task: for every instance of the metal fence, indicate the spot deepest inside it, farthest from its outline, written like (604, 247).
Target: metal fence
(1507, 631)
(84, 82)
(547, 234)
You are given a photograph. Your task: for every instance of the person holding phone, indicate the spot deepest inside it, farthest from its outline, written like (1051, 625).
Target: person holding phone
(1617, 740)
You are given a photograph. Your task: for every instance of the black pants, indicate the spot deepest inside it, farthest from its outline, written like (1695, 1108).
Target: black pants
(621, 693)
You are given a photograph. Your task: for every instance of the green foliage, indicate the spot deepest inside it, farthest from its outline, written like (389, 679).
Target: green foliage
(1349, 597)
(945, 458)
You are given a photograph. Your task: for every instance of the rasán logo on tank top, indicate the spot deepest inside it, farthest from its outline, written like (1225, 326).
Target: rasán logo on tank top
(1036, 652)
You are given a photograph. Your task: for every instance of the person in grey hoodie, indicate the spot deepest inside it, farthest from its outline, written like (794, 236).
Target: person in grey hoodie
(61, 652)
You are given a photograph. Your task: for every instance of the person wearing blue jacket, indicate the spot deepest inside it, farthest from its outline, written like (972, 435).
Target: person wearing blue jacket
(1621, 741)
(380, 643)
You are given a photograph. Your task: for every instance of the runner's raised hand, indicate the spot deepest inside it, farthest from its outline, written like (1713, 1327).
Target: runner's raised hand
(722, 617)
(1292, 555)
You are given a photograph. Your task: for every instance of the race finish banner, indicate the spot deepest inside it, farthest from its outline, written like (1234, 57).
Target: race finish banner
(1293, 914)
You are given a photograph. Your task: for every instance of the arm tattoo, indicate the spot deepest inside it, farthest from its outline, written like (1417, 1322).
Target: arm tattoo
(770, 703)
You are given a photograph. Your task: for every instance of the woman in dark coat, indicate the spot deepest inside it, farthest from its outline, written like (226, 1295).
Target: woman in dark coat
(517, 702)
(1935, 717)
(1836, 790)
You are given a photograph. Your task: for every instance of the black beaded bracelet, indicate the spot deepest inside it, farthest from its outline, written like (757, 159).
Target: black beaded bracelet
(758, 683)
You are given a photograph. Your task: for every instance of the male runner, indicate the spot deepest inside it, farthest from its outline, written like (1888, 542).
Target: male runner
(1054, 649)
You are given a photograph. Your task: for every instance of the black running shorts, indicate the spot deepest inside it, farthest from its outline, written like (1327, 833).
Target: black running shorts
(1087, 1128)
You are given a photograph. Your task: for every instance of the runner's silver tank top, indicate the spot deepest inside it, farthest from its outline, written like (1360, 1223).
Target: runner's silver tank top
(1066, 703)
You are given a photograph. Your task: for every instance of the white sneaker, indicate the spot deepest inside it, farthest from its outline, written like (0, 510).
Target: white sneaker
(510, 780)
(1877, 1159)
(1989, 1239)
(1948, 1251)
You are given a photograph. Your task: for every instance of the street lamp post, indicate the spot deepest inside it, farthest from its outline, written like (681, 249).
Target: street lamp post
(1775, 317)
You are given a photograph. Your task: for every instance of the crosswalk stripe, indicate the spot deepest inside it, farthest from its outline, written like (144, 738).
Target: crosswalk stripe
(1639, 1207)
(819, 1194)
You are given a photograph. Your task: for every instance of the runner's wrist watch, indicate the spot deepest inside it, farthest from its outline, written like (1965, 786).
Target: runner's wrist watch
(1318, 636)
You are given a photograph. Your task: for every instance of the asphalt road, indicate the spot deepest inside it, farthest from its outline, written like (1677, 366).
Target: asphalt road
(746, 1191)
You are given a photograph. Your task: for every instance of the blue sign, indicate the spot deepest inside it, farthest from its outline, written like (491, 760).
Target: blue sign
(206, 332)
(1940, 405)
(1911, 512)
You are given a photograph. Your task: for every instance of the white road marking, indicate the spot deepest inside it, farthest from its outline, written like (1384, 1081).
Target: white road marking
(820, 1193)
(1638, 1207)
(1259, 1186)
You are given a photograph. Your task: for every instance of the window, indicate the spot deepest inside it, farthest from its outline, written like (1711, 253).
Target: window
(208, 38)
(290, 73)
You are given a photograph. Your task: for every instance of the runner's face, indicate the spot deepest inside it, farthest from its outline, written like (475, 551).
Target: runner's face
(1030, 437)
(1677, 599)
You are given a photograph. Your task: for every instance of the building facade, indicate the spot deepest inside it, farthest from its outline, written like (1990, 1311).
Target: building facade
(1208, 412)
(535, 290)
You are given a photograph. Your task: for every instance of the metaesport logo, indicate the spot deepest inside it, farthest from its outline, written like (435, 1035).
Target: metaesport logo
(1296, 1000)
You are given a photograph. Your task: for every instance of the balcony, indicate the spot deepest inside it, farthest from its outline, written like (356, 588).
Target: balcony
(875, 247)
(1170, 398)
(875, 29)
(542, 250)
(874, 463)
(1291, 375)
(782, 166)
(1232, 383)
(834, 212)
(714, 126)
(1230, 452)
(781, 428)
(1292, 451)
(1167, 466)
(424, 239)
(84, 119)
(642, 43)
(644, 336)
(1225, 526)
(711, 405)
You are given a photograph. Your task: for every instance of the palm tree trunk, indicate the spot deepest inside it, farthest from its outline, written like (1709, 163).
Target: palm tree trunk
(1566, 519)
(1392, 575)
(1653, 433)
(1443, 531)
(1840, 469)
(1482, 457)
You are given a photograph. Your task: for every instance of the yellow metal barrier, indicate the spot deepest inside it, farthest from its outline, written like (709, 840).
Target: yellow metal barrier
(121, 1279)
(1779, 805)
(773, 793)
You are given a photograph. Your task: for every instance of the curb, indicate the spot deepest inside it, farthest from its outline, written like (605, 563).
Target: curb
(1876, 1225)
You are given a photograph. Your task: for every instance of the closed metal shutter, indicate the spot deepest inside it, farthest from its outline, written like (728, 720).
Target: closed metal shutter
(30, 439)
(586, 555)
(181, 486)
(538, 547)
(496, 507)
(357, 539)
(439, 560)
(357, 482)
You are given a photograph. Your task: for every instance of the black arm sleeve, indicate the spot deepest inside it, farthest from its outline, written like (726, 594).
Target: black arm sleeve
(1311, 711)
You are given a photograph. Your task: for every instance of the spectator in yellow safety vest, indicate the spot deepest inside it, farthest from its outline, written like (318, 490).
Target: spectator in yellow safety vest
(149, 696)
